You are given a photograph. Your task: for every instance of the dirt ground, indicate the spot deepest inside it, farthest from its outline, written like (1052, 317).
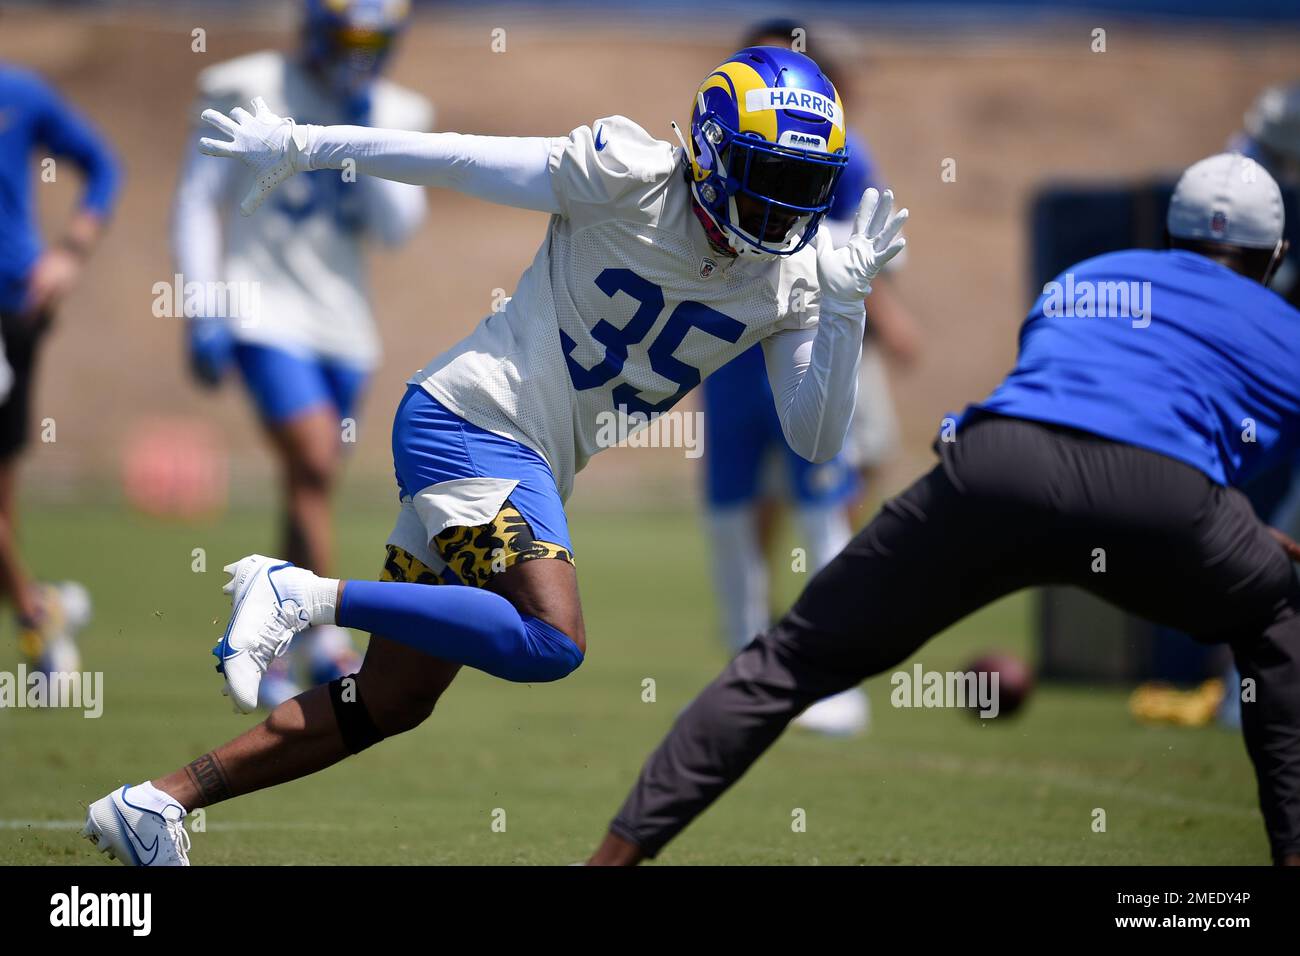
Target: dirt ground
(1013, 109)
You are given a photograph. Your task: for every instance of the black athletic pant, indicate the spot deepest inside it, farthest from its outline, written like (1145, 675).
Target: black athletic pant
(1012, 504)
(22, 336)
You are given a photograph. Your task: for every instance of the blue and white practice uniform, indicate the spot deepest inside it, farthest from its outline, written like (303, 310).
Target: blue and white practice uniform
(305, 332)
(629, 303)
(624, 310)
(659, 266)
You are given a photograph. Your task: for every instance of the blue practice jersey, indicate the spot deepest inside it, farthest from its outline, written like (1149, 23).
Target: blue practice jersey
(1168, 351)
(35, 123)
(858, 176)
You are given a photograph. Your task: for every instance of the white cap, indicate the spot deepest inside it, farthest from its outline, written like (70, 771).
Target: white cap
(1227, 198)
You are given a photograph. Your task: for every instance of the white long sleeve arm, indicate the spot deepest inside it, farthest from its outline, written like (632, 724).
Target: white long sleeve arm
(814, 378)
(509, 170)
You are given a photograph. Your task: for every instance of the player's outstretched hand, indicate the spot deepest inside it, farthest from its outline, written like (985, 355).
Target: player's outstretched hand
(844, 274)
(270, 145)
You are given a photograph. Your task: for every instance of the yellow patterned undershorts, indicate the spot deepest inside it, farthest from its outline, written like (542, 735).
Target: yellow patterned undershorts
(474, 555)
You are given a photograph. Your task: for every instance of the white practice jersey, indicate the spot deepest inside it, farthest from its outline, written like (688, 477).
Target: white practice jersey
(303, 249)
(624, 309)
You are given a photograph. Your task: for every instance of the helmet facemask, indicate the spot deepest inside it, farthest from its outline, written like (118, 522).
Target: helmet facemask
(352, 58)
(350, 43)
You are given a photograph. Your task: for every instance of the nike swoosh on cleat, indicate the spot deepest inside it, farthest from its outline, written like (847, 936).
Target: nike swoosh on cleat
(599, 143)
(151, 850)
(224, 643)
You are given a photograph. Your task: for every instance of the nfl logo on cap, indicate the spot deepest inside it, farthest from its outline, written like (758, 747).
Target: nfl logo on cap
(1227, 198)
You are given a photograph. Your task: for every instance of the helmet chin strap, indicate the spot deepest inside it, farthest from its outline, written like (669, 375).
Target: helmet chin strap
(680, 138)
(717, 236)
(712, 231)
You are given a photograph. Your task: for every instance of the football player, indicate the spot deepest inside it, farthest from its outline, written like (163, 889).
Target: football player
(659, 266)
(743, 443)
(303, 339)
(35, 121)
(1271, 136)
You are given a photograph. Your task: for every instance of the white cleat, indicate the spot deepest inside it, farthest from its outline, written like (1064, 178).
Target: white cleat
(136, 836)
(50, 645)
(840, 715)
(267, 612)
(76, 603)
(61, 653)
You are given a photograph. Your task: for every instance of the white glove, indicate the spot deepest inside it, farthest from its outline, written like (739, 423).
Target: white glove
(271, 146)
(844, 275)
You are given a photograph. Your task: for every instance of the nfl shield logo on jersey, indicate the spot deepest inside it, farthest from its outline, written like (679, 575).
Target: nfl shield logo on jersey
(707, 266)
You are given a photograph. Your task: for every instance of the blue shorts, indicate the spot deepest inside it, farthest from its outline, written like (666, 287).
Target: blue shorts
(742, 430)
(472, 500)
(285, 384)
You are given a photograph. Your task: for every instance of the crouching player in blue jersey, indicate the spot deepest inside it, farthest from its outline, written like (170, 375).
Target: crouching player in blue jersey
(302, 338)
(749, 468)
(659, 266)
(34, 279)
(1149, 385)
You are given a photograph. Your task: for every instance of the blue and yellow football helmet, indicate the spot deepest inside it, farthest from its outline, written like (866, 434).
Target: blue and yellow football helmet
(766, 149)
(351, 40)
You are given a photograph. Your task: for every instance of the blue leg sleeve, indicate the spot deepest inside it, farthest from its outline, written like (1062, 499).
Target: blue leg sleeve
(462, 624)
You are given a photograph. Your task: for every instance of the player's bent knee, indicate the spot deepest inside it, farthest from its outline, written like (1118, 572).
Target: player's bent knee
(397, 716)
(356, 726)
(550, 654)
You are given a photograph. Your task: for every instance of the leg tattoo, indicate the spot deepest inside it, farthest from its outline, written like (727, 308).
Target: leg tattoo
(208, 777)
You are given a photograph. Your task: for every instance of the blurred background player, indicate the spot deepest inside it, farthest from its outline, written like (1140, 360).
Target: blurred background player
(750, 470)
(1270, 135)
(303, 339)
(36, 124)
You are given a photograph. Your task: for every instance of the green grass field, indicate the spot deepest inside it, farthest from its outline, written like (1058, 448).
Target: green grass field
(923, 787)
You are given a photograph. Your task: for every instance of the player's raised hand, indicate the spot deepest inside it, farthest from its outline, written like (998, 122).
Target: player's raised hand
(270, 145)
(844, 274)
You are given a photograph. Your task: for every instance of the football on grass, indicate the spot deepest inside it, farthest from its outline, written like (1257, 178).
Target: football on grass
(1015, 680)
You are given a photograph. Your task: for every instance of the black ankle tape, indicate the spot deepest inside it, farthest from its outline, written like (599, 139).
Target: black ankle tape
(358, 730)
